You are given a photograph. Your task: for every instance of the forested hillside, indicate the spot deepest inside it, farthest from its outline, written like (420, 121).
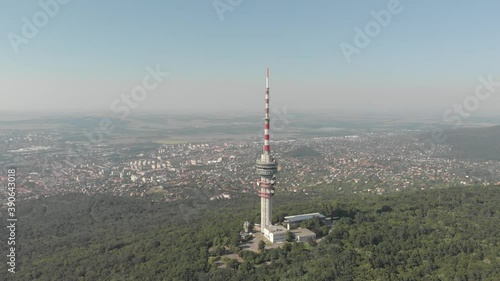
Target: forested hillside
(440, 234)
(475, 143)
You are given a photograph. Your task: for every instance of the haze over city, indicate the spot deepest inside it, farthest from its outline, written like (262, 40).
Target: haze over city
(427, 57)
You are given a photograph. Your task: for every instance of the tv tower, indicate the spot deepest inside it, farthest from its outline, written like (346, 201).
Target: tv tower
(266, 168)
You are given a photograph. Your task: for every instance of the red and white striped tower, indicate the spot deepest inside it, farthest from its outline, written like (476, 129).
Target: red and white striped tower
(266, 167)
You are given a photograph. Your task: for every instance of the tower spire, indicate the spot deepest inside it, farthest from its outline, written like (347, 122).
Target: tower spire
(267, 120)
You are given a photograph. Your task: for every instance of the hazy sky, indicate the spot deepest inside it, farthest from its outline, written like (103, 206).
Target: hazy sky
(427, 58)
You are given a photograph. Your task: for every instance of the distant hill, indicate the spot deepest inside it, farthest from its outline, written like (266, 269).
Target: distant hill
(475, 143)
(303, 151)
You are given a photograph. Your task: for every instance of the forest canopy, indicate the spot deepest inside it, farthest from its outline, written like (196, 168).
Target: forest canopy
(438, 234)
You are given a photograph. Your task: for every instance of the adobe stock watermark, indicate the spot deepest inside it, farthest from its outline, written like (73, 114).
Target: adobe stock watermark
(363, 37)
(123, 105)
(223, 6)
(460, 111)
(11, 218)
(30, 28)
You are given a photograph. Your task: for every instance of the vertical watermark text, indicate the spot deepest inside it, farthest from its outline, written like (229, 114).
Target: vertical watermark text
(11, 219)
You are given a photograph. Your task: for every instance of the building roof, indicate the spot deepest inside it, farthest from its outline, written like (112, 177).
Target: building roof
(303, 232)
(276, 228)
(303, 217)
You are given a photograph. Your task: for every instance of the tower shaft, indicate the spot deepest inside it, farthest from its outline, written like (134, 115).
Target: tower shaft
(266, 168)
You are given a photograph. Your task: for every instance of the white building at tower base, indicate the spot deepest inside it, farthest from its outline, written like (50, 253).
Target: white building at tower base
(275, 233)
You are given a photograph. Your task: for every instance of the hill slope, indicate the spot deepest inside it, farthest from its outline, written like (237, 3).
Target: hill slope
(476, 143)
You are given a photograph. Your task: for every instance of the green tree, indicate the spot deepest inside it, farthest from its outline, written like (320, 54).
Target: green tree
(262, 245)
